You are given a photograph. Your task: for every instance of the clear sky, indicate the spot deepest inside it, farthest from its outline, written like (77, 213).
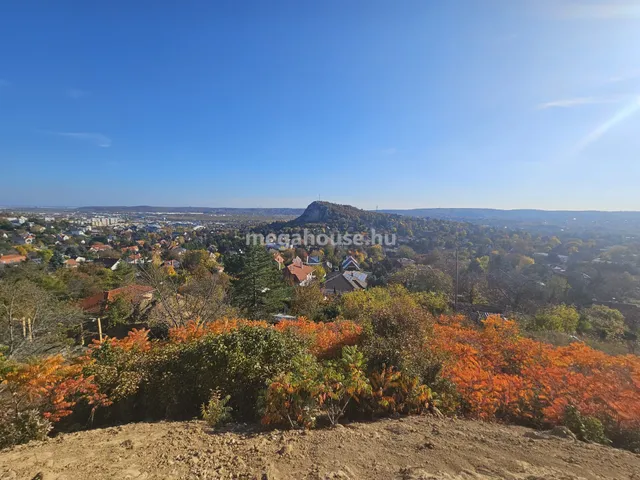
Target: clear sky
(396, 104)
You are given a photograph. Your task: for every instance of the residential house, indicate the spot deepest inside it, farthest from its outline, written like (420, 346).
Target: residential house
(71, 263)
(98, 303)
(134, 259)
(111, 263)
(350, 263)
(278, 317)
(279, 260)
(405, 262)
(313, 261)
(24, 239)
(298, 273)
(11, 259)
(100, 247)
(338, 283)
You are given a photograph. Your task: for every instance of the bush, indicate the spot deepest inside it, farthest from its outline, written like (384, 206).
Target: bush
(396, 333)
(343, 380)
(587, 429)
(324, 340)
(393, 392)
(604, 322)
(311, 389)
(216, 411)
(23, 427)
(561, 318)
(499, 374)
(291, 399)
(173, 380)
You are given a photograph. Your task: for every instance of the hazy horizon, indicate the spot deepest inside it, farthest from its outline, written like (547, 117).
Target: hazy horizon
(379, 208)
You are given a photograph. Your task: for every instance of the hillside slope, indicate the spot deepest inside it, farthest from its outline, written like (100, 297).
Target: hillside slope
(411, 448)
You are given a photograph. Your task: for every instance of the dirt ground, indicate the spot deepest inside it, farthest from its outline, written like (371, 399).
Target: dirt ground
(404, 449)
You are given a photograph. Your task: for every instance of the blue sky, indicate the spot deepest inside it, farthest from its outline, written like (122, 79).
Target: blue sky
(396, 104)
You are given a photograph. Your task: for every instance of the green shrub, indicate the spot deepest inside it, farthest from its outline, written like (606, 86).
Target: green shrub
(216, 411)
(295, 399)
(629, 439)
(587, 429)
(174, 380)
(291, 399)
(393, 392)
(561, 318)
(343, 380)
(23, 427)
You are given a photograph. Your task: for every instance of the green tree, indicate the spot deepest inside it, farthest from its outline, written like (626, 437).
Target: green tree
(45, 255)
(259, 289)
(423, 278)
(56, 261)
(308, 302)
(119, 310)
(603, 321)
(562, 318)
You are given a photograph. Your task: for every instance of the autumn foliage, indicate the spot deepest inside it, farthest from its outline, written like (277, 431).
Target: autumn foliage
(53, 386)
(323, 339)
(500, 374)
(496, 374)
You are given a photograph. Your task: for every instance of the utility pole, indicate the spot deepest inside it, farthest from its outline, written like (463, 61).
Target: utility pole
(100, 329)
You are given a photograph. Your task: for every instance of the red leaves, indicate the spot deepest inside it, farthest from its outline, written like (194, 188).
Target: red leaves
(325, 339)
(500, 374)
(53, 386)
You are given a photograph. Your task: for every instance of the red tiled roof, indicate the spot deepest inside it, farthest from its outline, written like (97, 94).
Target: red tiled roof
(136, 293)
(98, 247)
(8, 259)
(299, 271)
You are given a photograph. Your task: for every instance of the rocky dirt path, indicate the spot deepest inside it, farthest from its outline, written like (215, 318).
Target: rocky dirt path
(404, 449)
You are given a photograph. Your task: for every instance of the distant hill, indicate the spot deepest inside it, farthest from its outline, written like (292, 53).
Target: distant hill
(345, 218)
(258, 212)
(332, 213)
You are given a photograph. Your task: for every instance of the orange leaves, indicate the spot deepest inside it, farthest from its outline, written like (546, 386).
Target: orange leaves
(136, 339)
(324, 339)
(194, 330)
(500, 374)
(53, 386)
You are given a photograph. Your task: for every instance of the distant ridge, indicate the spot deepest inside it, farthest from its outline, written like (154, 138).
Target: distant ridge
(210, 210)
(475, 214)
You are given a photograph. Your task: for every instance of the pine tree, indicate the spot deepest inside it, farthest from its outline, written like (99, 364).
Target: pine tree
(259, 289)
(57, 261)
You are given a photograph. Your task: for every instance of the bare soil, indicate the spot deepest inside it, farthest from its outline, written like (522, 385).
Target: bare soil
(404, 449)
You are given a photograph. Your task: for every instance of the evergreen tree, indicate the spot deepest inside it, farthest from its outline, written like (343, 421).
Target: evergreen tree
(259, 289)
(57, 261)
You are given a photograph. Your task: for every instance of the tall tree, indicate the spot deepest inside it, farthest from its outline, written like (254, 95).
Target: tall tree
(259, 289)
